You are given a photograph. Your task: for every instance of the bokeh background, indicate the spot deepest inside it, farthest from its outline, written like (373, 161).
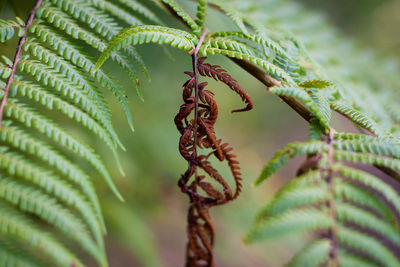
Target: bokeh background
(149, 229)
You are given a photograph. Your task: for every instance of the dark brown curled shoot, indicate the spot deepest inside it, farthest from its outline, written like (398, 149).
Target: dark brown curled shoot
(195, 121)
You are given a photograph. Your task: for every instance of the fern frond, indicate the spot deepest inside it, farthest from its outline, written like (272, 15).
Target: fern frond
(289, 198)
(51, 70)
(30, 118)
(354, 194)
(15, 165)
(60, 83)
(370, 145)
(107, 28)
(77, 57)
(52, 102)
(201, 13)
(318, 84)
(8, 28)
(368, 159)
(369, 180)
(10, 257)
(290, 61)
(294, 92)
(116, 11)
(292, 150)
(17, 138)
(142, 10)
(322, 107)
(314, 254)
(314, 102)
(94, 18)
(61, 21)
(148, 34)
(17, 227)
(182, 14)
(266, 65)
(261, 40)
(351, 214)
(362, 138)
(368, 245)
(5, 72)
(293, 221)
(347, 259)
(359, 118)
(232, 13)
(229, 44)
(33, 201)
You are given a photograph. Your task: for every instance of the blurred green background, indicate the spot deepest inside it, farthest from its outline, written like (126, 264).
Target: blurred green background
(150, 228)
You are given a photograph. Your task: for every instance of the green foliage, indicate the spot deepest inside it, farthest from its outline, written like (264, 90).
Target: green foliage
(50, 210)
(148, 34)
(314, 255)
(282, 156)
(47, 199)
(8, 29)
(328, 199)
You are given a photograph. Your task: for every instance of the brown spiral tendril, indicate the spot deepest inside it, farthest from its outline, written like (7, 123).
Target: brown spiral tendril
(198, 132)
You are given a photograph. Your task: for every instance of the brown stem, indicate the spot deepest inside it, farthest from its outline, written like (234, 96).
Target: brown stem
(17, 58)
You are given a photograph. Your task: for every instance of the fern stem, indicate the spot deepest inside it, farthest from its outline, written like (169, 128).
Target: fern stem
(332, 207)
(17, 58)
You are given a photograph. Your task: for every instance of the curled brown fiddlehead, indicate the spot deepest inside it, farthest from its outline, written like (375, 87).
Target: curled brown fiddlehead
(197, 132)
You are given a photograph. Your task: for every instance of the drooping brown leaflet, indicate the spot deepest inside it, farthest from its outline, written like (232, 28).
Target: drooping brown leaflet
(198, 132)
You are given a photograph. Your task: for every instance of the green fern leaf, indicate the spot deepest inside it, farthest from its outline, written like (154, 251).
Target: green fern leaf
(60, 83)
(349, 213)
(18, 227)
(8, 29)
(93, 18)
(360, 118)
(11, 258)
(261, 40)
(267, 66)
(232, 13)
(369, 180)
(282, 156)
(362, 197)
(182, 14)
(373, 145)
(201, 13)
(347, 259)
(228, 44)
(369, 245)
(17, 138)
(289, 198)
(30, 118)
(71, 53)
(368, 159)
(142, 10)
(148, 34)
(5, 72)
(14, 164)
(322, 107)
(293, 221)
(116, 11)
(33, 201)
(314, 254)
(318, 84)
